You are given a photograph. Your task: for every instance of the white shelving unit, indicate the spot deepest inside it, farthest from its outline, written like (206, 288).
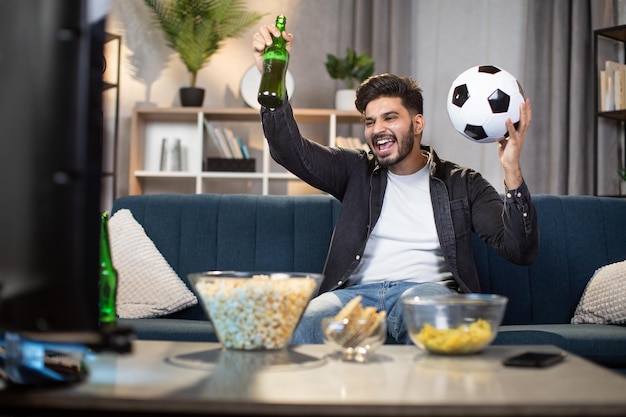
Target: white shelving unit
(151, 125)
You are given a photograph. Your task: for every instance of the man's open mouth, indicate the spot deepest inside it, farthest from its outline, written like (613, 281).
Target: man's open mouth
(384, 144)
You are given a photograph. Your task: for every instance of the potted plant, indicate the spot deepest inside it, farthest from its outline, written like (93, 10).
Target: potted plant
(622, 175)
(352, 69)
(196, 29)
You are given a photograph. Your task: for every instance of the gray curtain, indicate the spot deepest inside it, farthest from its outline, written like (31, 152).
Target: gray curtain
(559, 75)
(378, 27)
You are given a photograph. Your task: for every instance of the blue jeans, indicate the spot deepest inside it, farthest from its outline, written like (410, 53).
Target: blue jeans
(382, 295)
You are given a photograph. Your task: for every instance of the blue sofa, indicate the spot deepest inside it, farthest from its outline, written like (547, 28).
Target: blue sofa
(579, 234)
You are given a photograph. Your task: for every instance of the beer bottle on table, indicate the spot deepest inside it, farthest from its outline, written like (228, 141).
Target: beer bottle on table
(108, 277)
(273, 90)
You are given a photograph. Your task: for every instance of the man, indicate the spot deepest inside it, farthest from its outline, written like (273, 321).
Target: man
(407, 216)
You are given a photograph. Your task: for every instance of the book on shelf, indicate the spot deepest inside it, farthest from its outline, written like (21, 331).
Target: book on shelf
(235, 149)
(217, 140)
(244, 148)
(228, 144)
(613, 86)
(350, 142)
(604, 91)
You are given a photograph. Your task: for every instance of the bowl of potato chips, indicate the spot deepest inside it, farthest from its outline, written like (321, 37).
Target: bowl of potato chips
(254, 311)
(456, 324)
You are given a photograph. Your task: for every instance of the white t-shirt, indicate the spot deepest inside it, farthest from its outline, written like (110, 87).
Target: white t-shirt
(404, 245)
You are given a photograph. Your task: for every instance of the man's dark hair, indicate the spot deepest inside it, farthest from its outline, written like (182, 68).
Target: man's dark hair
(389, 85)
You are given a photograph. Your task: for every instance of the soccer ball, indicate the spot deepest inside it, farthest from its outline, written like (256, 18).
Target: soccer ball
(480, 100)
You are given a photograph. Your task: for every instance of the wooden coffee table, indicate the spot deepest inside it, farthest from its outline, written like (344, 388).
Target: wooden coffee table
(174, 378)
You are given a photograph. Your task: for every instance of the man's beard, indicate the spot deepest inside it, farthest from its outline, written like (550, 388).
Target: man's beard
(404, 146)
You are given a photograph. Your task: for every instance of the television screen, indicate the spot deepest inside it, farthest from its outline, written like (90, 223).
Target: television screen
(50, 164)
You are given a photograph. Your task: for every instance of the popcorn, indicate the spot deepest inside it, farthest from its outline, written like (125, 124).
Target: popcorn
(258, 312)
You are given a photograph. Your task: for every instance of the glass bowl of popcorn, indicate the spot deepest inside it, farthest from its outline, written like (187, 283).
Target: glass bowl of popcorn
(254, 311)
(456, 324)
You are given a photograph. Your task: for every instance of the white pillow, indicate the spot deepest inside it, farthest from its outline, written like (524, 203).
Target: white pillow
(604, 299)
(147, 284)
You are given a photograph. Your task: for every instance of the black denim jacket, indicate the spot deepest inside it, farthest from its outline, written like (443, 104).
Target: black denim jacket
(463, 202)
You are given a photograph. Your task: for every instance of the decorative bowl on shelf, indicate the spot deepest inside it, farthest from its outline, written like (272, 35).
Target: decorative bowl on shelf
(254, 311)
(457, 324)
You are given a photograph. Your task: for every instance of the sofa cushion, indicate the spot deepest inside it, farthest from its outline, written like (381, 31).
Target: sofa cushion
(604, 299)
(147, 285)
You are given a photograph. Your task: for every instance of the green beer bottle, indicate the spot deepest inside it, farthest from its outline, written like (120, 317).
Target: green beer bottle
(108, 277)
(272, 90)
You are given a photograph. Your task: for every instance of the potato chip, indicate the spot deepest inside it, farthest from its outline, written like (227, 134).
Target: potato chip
(465, 338)
(359, 323)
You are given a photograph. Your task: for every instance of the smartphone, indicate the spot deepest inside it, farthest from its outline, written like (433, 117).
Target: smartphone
(535, 359)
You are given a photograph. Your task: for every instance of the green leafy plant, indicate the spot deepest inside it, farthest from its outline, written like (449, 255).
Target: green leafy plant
(351, 69)
(622, 174)
(196, 29)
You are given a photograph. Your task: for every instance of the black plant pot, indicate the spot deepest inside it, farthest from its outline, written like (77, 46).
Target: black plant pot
(191, 96)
